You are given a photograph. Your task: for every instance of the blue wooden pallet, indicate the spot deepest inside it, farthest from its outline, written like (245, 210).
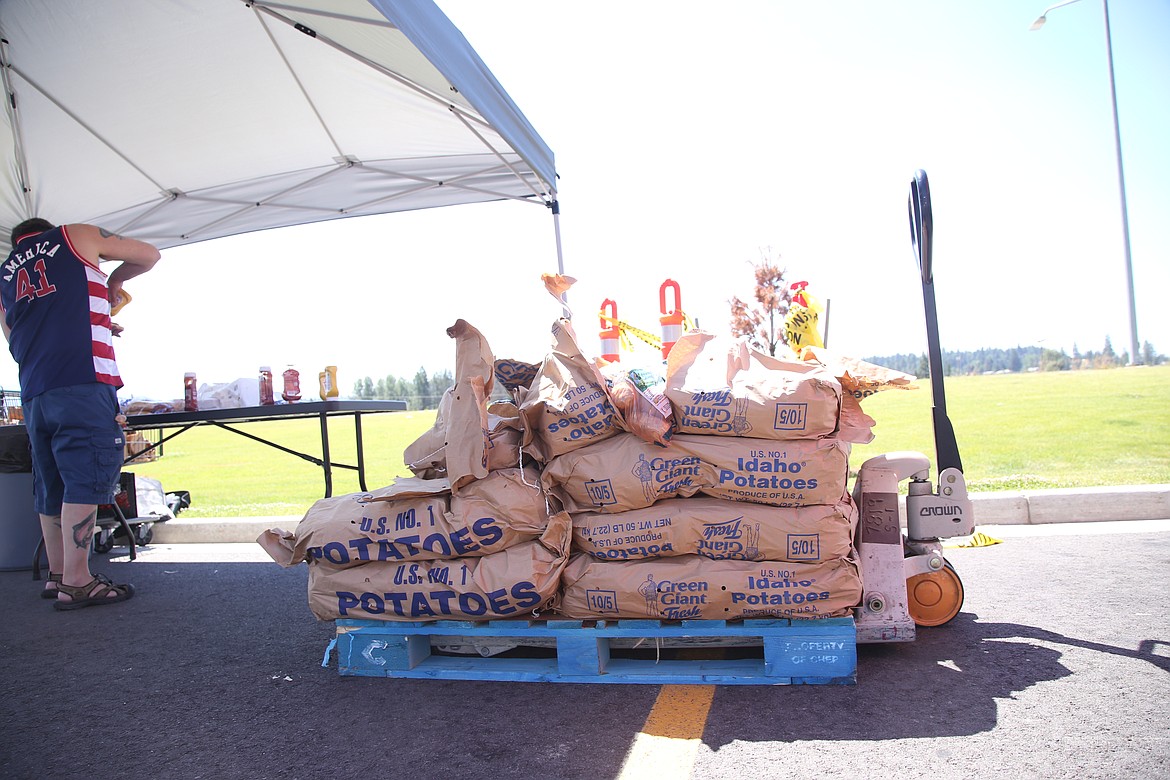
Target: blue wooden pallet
(793, 652)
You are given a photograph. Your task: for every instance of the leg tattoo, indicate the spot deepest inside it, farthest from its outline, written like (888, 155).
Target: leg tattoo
(83, 531)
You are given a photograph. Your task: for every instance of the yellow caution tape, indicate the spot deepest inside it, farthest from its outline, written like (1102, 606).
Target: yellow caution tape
(626, 330)
(979, 539)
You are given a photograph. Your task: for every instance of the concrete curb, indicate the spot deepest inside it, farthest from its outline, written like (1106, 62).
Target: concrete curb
(1072, 505)
(215, 530)
(1033, 507)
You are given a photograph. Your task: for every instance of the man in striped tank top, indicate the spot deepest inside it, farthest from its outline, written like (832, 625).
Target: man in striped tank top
(56, 307)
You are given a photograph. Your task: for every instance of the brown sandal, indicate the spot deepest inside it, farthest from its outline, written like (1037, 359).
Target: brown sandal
(51, 593)
(93, 594)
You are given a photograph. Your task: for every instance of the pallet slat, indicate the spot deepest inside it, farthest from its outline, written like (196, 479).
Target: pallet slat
(793, 652)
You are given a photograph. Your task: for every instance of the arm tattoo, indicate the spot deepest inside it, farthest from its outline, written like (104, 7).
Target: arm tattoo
(83, 531)
(107, 234)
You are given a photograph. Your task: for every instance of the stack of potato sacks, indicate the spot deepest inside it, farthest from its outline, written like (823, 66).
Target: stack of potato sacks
(470, 537)
(721, 496)
(737, 509)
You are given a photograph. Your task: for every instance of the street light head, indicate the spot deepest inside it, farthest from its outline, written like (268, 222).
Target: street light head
(1036, 25)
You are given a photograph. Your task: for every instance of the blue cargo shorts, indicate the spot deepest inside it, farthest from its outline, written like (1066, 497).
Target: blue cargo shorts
(77, 445)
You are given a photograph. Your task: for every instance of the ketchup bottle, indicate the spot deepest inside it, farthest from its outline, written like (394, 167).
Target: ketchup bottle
(292, 385)
(266, 398)
(190, 393)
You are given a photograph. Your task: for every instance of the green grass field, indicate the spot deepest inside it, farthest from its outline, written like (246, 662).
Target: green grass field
(1015, 431)
(231, 476)
(1039, 430)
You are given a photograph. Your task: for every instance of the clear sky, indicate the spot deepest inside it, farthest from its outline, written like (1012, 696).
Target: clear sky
(689, 139)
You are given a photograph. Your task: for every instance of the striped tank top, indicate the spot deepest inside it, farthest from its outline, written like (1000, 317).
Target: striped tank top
(56, 305)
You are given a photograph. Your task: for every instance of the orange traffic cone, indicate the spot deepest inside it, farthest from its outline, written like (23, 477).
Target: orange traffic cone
(610, 331)
(672, 319)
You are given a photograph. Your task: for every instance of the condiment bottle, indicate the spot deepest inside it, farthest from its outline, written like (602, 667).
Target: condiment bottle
(266, 398)
(328, 380)
(190, 393)
(292, 385)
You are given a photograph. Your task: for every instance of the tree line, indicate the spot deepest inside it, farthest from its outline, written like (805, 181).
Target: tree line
(421, 392)
(425, 392)
(992, 361)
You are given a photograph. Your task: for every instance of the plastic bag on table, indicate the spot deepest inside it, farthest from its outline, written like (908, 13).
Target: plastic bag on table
(230, 395)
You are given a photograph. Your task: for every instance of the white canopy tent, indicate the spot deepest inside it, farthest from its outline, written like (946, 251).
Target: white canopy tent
(177, 121)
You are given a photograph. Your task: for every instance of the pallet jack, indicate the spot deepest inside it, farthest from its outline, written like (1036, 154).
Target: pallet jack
(906, 581)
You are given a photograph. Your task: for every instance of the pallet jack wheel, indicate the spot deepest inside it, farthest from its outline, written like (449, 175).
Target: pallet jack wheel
(144, 535)
(936, 597)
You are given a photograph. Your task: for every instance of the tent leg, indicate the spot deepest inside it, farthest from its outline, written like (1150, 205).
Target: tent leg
(556, 212)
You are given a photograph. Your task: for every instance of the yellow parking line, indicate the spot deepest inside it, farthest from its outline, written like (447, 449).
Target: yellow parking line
(670, 739)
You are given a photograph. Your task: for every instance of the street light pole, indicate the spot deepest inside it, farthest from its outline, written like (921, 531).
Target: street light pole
(1134, 354)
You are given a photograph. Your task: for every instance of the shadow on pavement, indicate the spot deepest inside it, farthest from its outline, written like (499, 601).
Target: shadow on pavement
(943, 684)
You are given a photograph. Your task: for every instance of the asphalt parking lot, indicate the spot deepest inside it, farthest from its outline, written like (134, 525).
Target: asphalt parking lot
(1058, 666)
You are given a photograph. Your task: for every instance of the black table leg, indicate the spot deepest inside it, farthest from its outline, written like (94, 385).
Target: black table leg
(361, 458)
(325, 462)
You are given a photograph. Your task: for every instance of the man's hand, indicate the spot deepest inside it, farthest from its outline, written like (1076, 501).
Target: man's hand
(117, 294)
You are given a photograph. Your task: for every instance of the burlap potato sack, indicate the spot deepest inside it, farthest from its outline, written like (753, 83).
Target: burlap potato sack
(722, 387)
(566, 407)
(693, 587)
(719, 529)
(457, 446)
(426, 456)
(624, 472)
(425, 523)
(858, 378)
(513, 583)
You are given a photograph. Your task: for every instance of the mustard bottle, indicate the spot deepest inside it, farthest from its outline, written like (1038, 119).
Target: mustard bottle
(328, 382)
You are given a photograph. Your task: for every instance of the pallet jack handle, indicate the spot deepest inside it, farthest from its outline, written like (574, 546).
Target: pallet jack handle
(922, 237)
